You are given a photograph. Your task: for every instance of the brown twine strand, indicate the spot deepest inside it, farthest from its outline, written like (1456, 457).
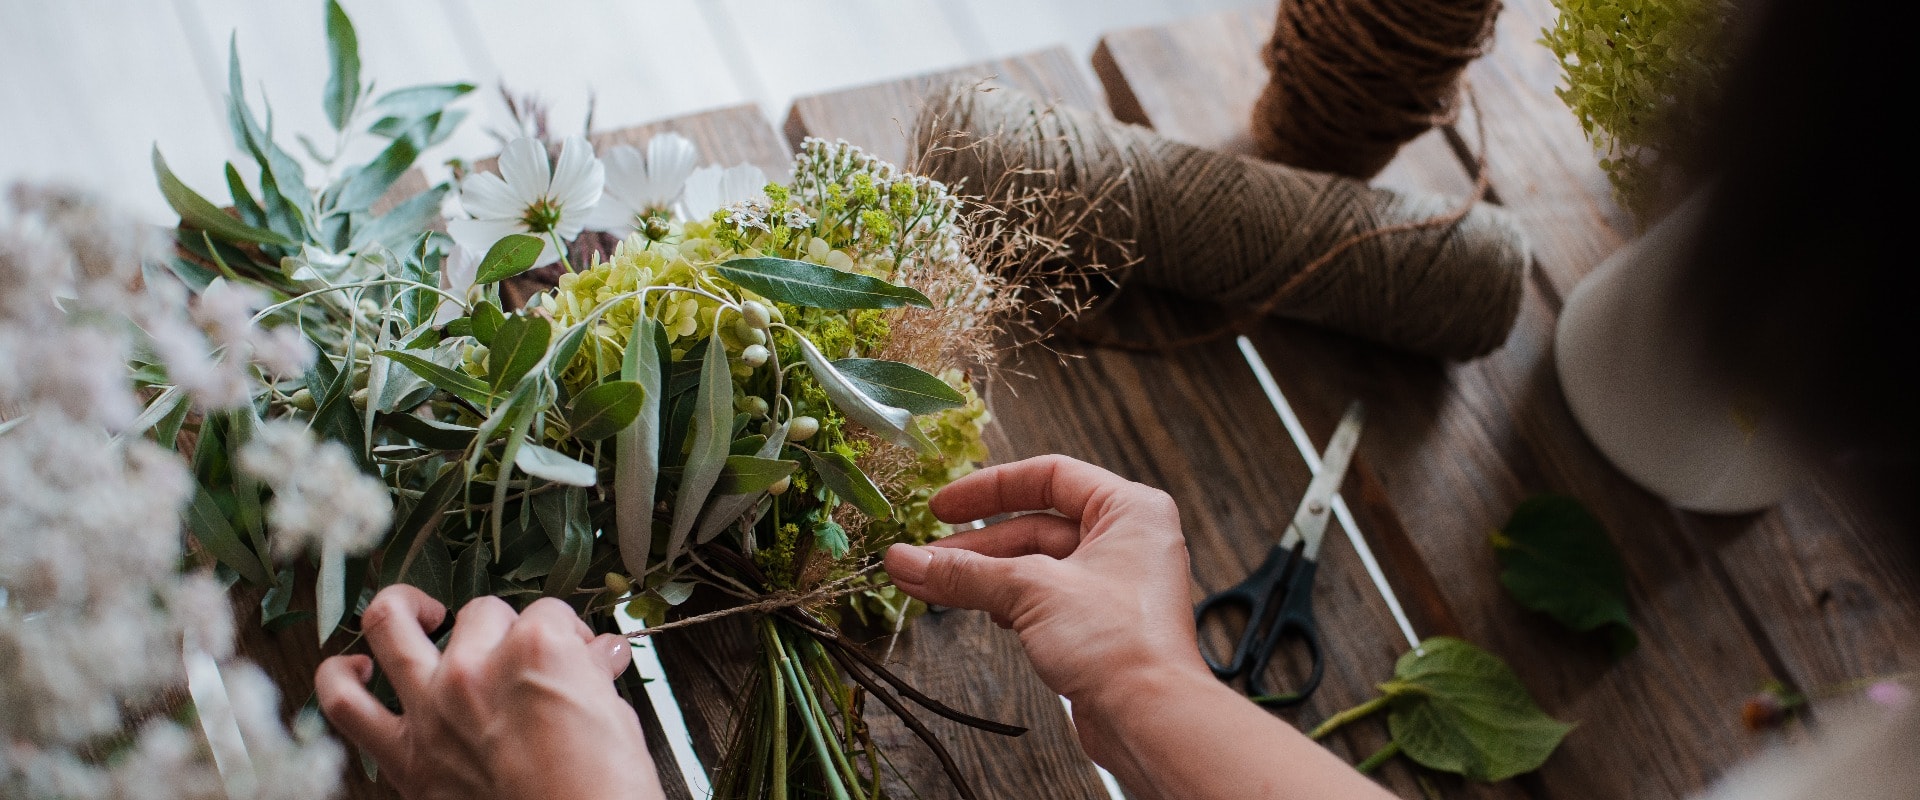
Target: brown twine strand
(1353, 80)
(772, 601)
(1429, 274)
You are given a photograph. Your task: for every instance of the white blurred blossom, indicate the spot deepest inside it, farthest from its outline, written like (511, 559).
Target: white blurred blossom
(712, 188)
(640, 186)
(320, 498)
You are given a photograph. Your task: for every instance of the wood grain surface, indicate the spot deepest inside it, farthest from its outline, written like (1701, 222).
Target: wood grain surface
(1721, 604)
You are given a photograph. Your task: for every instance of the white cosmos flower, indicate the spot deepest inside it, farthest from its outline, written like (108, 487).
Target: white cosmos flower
(640, 186)
(456, 276)
(530, 197)
(710, 189)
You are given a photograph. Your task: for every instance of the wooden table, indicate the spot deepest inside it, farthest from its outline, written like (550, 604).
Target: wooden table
(1799, 593)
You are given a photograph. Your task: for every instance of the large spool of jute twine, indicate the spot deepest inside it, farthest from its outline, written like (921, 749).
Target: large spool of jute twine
(1352, 80)
(1435, 275)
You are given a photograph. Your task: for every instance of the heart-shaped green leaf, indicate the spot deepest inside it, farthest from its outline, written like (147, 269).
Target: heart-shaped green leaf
(1457, 708)
(512, 255)
(900, 385)
(1556, 559)
(814, 286)
(849, 483)
(519, 345)
(605, 410)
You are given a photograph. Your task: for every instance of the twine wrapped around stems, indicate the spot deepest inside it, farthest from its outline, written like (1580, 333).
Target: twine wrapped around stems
(1430, 274)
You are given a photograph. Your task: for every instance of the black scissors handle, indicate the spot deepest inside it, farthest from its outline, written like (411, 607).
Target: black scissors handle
(1286, 576)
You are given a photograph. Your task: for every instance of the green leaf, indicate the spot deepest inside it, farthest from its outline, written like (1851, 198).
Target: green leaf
(335, 417)
(849, 483)
(636, 466)
(550, 464)
(1556, 558)
(161, 407)
(564, 516)
(470, 578)
(900, 385)
(465, 386)
(343, 50)
(829, 536)
(424, 518)
(519, 344)
(564, 351)
(891, 422)
(431, 570)
(414, 102)
(815, 286)
(371, 181)
(197, 212)
(605, 410)
(243, 202)
(749, 474)
(1456, 708)
(707, 455)
(486, 320)
(429, 432)
(512, 255)
(394, 229)
(330, 591)
(209, 526)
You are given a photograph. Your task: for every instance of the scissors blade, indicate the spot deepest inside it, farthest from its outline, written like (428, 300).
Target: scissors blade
(1310, 521)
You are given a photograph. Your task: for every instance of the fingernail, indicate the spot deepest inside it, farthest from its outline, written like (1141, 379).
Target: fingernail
(908, 564)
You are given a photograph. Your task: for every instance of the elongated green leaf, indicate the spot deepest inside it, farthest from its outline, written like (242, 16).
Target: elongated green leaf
(243, 202)
(459, 383)
(519, 344)
(1556, 559)
(512, 255)
(485, 320)
(330, 590)
(1460, 709)
(900, 385)
(373, 180)
(564, 516)
(414, 102)
(564, 350)
(891, 422)
(429, 432)
(283, 181)
(343, 51)
(8, 425)
(849, 483)
(161, 407)
(605, 410)
(394, 229)
(749, 474)
(814, 286)
(707, 455)
(336, 418)
(210, 528)
(470, 578)
(636, 467)
(431, 570)
(197, 212)
(550, 464)
(423, 518)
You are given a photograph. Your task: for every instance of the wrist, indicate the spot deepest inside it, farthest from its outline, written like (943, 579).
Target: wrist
(1131, 692)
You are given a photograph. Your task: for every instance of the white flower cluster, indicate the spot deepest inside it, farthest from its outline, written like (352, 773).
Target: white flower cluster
(320, 498)
(96, 619)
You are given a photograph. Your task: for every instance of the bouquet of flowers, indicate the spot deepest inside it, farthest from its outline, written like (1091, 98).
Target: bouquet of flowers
(752, 394)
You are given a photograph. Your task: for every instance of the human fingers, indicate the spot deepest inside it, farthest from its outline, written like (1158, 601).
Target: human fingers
(951, 576)
(1036, 484)
(340, 683)
(396, 625)
(1029, 534)
(480, 626)
(614, 650)
(555, 613)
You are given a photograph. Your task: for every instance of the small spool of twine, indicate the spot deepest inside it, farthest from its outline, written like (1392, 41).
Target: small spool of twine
(1353, 80)
(1424, 273)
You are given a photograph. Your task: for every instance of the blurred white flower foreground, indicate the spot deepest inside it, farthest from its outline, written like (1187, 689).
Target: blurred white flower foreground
(96, 617)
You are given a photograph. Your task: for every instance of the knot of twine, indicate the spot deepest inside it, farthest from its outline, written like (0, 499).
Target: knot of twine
(1434, 275)
(1352, 80)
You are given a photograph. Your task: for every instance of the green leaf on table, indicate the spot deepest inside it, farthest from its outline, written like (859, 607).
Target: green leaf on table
(814, 286)
(519, 345)
(485, 321)
(850, 484)
(1457, 708)
(564, 516)
(343, 53)
(196, 211)
(1555, 558)
(369, 182)
(512, 255)
(209, 525)
(606, 409)
(707, 454)
(749, 474)
(465, 386)
(890, 422)
(900, 385)
(636, 465)
(550, 464)
(829, 536)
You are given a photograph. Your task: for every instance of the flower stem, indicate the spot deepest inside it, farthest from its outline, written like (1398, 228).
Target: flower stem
(1379, 757)
(1334, 722)
(779, 781)
(819, 740)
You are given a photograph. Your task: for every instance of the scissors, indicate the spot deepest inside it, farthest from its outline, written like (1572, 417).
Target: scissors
(1278, 597)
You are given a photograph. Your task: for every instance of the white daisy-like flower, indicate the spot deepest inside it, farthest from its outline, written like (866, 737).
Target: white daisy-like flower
(529, 196)
(639, 187)
(456, 276)
(710, 189)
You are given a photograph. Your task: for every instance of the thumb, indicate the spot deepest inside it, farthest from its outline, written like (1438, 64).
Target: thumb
(951, 576)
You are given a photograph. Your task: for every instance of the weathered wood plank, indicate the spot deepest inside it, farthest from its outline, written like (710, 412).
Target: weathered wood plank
(1456, 447)
(1198, 427)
